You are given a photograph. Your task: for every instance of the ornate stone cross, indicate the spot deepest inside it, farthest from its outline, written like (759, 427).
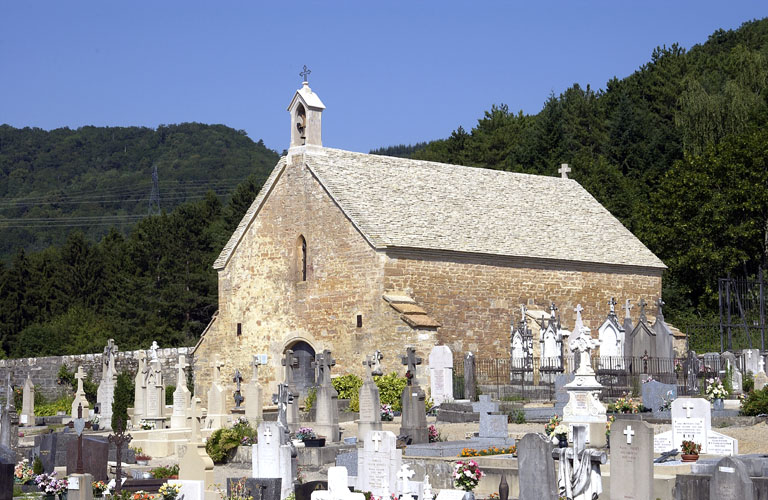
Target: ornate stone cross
(612, 303)
(552, 309)
(629, 433)
(282, 399)
(305, 74)
(659, 305)
(237, 379)
(181, 366)
(404, 475)
(642, 305)
(563, 170)
(80, 375)
(289, 361)
(255, 364)
(412, 361)
(322, 364)
(627, 307)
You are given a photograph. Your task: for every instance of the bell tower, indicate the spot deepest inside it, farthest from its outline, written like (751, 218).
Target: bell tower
(306, 111)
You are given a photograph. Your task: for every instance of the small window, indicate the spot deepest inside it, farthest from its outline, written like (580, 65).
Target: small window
(359, 320)
(239, 329)
(302, 259)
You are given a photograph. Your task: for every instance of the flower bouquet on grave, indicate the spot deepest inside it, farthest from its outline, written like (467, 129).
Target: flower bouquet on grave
(387, 414)
(434, 434)
(99, 487)
(560, 435)
(23, 472)
(466, 475)
(550, 426)
(625, 404)
(715, 389)
(305, 433)
(142, 495)
(170, 491)
(690, 451)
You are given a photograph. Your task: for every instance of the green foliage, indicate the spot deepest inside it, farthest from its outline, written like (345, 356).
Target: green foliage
(169, 390)
(309, 401)
(124, 393)
(67, 376)
(518, 417)
(728, 382)
(224, 441)
(748, 382)
(756, 403)
(37, 466)
(391, 389)
(165, 472)
(348, 387)
(64, 404)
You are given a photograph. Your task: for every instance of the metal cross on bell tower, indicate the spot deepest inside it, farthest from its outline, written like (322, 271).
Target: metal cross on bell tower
(305, 74)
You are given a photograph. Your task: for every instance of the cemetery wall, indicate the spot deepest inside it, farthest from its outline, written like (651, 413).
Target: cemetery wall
(261, 289)
(475, 297)
(44, 371)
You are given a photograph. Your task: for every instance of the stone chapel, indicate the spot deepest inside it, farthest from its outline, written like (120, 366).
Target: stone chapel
(355, 252)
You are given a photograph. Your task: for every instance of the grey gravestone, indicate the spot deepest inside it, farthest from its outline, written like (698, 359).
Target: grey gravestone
(348, 460)
(536, 468)
(414, 420)
(52, 449)
(631, 460)
(485, 405)
(730, 481)
(655, 393)
(470, 383)
(304, 491)
(493, 426)
(95, 454)
(561, 394)
(7, 464)
(258, 488)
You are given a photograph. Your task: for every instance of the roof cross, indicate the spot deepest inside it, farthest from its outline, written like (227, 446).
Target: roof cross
(563, 170)
(305, 74)
(627, 307)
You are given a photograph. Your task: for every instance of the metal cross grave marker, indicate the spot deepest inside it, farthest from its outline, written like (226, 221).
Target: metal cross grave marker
(305, 74)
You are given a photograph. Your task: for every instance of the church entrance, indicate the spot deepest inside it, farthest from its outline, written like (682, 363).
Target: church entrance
(304, 375)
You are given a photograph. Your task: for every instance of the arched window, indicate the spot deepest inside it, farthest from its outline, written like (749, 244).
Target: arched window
(302, 259)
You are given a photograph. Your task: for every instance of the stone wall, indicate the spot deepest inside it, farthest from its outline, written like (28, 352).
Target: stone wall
(44, 371)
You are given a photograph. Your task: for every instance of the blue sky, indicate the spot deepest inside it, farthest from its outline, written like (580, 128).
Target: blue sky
(388, 72)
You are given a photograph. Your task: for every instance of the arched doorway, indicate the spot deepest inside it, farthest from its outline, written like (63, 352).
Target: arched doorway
(304, 374)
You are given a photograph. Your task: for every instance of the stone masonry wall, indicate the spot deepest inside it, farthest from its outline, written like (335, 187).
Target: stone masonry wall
(261, 289)
(44, 371)
(475, 298)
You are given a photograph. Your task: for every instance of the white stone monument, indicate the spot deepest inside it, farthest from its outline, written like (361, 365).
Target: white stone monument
(105, 395)
(369, 400)
(181, 396)
(338, 488)
(27, 417)
(584, 406)
(692, 421)
(378, 463)
(441, 374)
(195, 464)
(271, 459)
(140, 389)
(611, 338)
(154, 404)
(217, 400)
(80, 394)
(253, 405)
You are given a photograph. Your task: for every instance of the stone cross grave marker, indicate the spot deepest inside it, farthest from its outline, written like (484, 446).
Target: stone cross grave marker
(217, 399)
(181, 396)
(631, 460)
(536, 468)
(237, 379)
(441, 374)
(378, 463)
(105, 395)
(327, 399)
(576, 479)
(253, 405)
(291, 362)
(414, 419)
(27, 416)
(140, 388)
(273, 459)
(196, 464)
(80, 394)
(284, 400)
(369, 399)
(338, 488)
(731, 481)
(692, 421)
(404, 475)
(564, 170)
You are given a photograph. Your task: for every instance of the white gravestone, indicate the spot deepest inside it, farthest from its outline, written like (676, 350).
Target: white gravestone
(253, 405)
(441, 374)
(190, 489)
(338, 488)
(692, 421)
(270, 459)
(105, 394)
(27, 416)
(80, 394)
(378, 462)
(181, 396)
(217, 400)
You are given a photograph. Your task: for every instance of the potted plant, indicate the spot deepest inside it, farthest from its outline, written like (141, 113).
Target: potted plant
(466, 475)
(716, 392)
(142, 458)
(23, 472)
(387, 414)
(554, 421)
(560, 434)
(170, 491)
(95, 423)
(99, 487)
(309, 438)
(690, 451)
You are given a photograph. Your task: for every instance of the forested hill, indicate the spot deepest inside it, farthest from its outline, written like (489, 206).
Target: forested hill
(95, 178)
(678, 151)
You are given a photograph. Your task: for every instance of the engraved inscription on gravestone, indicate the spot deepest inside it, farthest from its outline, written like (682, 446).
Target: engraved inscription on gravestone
(581, 400)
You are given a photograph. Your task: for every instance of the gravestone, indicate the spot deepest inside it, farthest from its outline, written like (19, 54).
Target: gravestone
(378, 462)
(536, 468)
(664, 338)
(611, 338)
(751, 360)
(304, 490)
(491, 425)
(140, 389)
(105, 394)
(561, 393)
(691, 368)
(551, 344)
(441, 374)
(27, 417)
(95, 456)
(7, 464)
(291, 363)
(631, 460)
(368, 397)
(80, 394)
(217, 399)
(731, 481)
(196, 465)
(484, 405)
(327, 399)
(691, 421)
(155, 391)
(414, 417)
(470, 382)
(761, 379)
(655, 394)
(253, 405)
(579, 468)
(627, 325)
(338, 488)
(181, 396)
(191, 490)
(349, 460)
(259, 488)
(271, 459)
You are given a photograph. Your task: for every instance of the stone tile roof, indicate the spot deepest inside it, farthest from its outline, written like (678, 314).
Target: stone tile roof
(397, 202)
(400, 202)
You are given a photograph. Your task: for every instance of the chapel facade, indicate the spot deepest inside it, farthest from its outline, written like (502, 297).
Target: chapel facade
(355, 252)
